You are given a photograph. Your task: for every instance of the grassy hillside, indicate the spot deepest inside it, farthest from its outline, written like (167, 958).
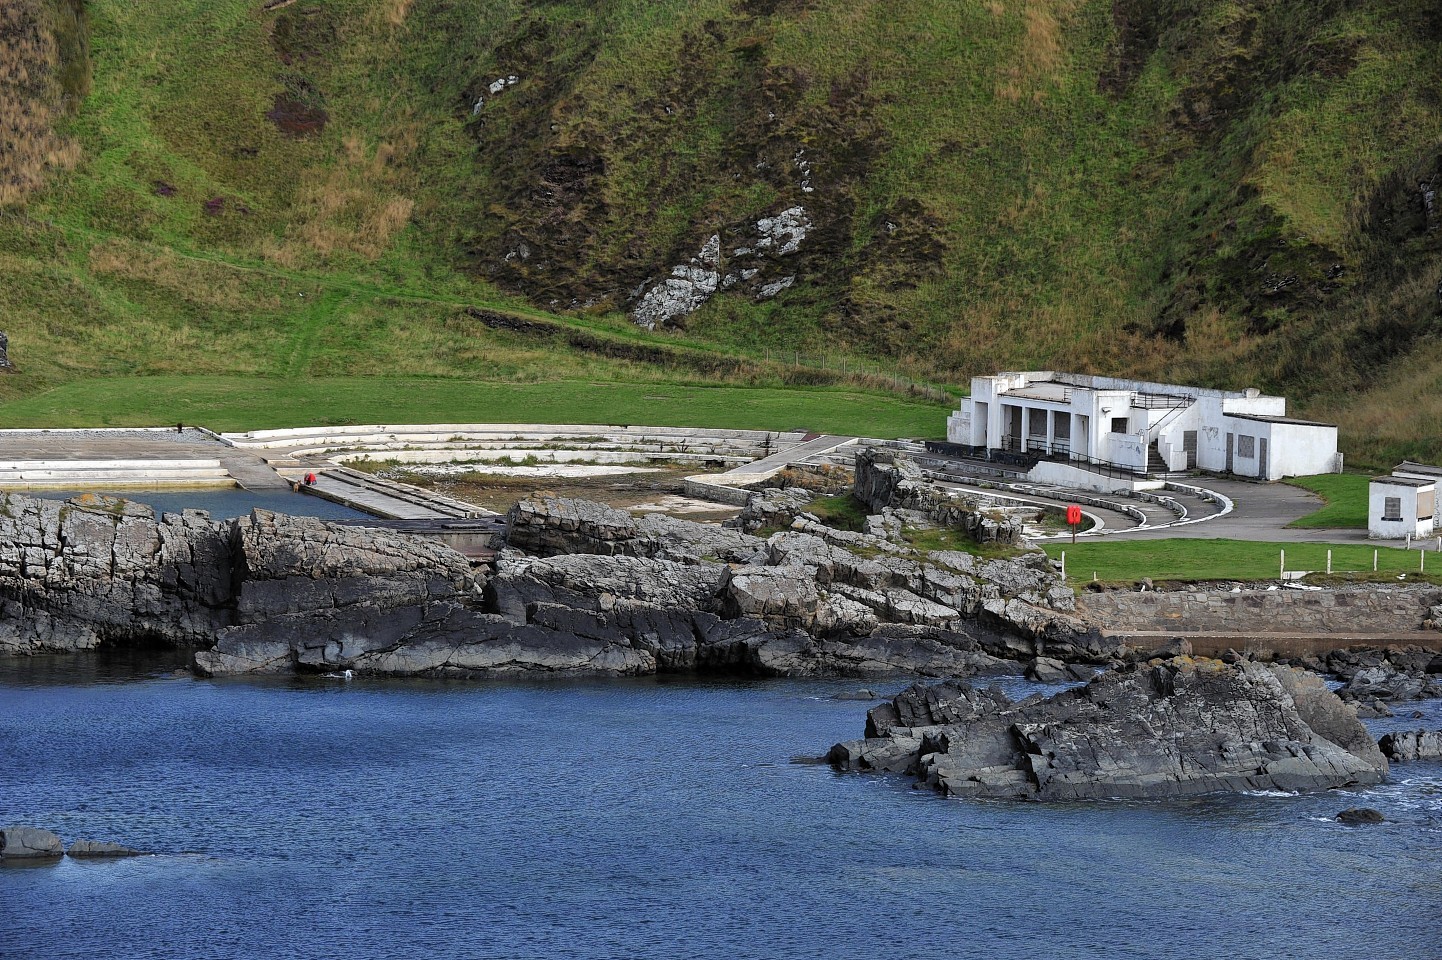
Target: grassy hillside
(1232, 191)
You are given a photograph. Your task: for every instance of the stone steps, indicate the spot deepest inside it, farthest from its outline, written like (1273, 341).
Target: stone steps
(107, 473)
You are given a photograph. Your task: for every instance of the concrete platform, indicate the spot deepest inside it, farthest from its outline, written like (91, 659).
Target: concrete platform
(128, 458)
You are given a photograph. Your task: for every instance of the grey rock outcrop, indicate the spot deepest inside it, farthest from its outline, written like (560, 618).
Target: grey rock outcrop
(1386, 682)
(1169, 728)
(1411, 745)
(886, 482)
(78, 574)
(29, 843)
(581, 588)
(773, 507)
(99, 849)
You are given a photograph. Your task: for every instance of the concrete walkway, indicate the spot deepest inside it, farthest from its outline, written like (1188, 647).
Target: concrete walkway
(136, 458)
(815, 447)
(388, 498)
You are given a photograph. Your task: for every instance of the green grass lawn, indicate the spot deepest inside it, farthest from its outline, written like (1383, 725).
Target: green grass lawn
(1195, 560)
(242, 403)
(1346, 496)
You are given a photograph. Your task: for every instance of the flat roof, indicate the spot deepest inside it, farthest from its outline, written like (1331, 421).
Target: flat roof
(1404, 481)
(1426, 469)
(1043, 390)
(1263, 418)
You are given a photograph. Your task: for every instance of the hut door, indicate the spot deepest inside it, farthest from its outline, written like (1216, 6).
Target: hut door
(1231, 442)
(1189, 445)
(1262, 457)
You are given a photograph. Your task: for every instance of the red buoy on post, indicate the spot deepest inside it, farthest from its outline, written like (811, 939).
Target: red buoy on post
(1073, 519)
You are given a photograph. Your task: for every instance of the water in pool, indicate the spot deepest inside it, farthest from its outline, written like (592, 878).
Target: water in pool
(637, 819)
(222, 503)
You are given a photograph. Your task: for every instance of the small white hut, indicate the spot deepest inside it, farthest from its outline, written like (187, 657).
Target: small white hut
(1401, 507)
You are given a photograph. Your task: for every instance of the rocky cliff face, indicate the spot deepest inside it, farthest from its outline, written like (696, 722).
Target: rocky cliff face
(581, 588)
(77, 575)
(1167, 728)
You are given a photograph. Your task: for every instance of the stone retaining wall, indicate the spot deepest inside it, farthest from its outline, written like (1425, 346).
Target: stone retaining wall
(1383, 609)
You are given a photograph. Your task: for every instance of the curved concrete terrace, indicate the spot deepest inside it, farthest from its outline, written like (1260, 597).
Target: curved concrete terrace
(275, 458)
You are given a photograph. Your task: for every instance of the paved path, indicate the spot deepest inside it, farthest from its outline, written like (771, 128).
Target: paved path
(389, 499)
(815, 447)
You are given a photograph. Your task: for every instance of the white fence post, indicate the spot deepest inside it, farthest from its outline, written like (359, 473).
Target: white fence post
(1329, 563)
(1283, 574)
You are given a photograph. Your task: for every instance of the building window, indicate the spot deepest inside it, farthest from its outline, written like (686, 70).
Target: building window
(1246, 446)
(1119, 424)
(1392, 508)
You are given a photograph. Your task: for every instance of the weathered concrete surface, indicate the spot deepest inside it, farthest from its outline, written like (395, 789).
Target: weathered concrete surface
(1168, 728)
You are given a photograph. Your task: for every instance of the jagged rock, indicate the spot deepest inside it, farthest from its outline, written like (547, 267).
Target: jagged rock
(1174, 728)
(885, 481)
(686, 541)
(29, 843)
(1358, 815)
(781, 596)
(772, 507)
(99, 848)
(1386, 682)
(1047, 670)
(546, 526)
(594, 592)
(1412, 745)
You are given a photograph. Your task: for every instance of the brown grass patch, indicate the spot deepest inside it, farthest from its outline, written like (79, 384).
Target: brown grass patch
(202, 284)
(396, 11)
(353, 208)
(1042, 50)
(30, 101)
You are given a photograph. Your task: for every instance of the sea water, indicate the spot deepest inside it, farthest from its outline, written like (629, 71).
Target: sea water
(656, 818)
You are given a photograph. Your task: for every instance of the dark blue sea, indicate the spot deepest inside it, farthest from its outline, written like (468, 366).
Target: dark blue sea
(637, 819)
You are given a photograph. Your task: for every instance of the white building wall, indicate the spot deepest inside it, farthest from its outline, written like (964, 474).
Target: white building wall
(1292, 449)
(1302, 450)
(1408, 524)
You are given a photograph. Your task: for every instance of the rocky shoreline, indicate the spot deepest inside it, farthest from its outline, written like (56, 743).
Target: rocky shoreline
(582, 589)
(1167, 728)
(578, 588)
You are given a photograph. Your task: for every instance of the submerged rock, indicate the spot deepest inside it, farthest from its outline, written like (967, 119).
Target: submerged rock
(29, 843)
(1168, 729)
(1358, 815)
(96, 849)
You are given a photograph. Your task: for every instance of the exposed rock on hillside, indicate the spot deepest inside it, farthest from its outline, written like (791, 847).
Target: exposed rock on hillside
(1169, 728)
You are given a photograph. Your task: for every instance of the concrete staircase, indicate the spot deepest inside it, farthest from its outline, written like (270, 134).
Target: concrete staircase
(65, 474)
